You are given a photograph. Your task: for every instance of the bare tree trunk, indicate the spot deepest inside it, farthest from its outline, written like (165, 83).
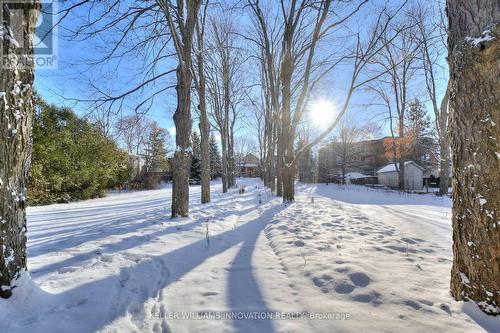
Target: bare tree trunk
(183, 154)
(401, 167)
(279, 163)
(205, 152)
(474, 60)
(224, 162)
(270, 179)
(444, 145)
(231, 159)
(16, 110)
(279, 171)
(287, 135)
(276, 158)
(202, 107)
(401, 174)
(182, 31)
(289, 172)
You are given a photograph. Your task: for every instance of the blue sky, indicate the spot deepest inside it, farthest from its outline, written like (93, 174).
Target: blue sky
(74, 77)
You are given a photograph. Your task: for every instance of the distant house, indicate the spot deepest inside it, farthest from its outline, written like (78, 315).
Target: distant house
(366, 157)
(359, 179)
(249, 166)
(414, 175)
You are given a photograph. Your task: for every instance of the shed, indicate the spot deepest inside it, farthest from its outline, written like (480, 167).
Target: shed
(414, 175)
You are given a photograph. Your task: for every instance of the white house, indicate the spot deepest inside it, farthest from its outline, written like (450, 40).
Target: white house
(414, 175)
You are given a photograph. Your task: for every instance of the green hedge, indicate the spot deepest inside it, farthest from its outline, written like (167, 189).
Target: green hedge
(72, 159)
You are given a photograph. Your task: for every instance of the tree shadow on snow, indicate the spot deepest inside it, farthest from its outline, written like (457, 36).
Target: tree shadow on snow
(76, 228)
(98, 295)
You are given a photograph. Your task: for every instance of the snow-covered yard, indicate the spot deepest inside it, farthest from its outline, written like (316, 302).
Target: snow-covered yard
(340, 259)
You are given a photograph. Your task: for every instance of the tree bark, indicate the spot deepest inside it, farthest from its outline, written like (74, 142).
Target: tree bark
(224, 162)
(205, 153)
(202, 107)
(270, 179)
(401, 174)
(231, 159)
(474, 60)
(402, 148)
(289, 172)
(287, 134)
(279, 170)
(16, 111)
(444, 145)
(183, 154)
(183, 40)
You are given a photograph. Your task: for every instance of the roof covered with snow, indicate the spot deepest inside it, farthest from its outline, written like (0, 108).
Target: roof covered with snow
(392, 168)
(355, 175)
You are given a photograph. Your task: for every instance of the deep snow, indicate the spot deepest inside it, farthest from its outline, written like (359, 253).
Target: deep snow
(367, 258)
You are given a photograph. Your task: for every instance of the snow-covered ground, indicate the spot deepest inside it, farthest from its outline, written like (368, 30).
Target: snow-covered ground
(339, 259)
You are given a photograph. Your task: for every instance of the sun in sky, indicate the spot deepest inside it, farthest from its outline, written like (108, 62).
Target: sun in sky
(321, 113)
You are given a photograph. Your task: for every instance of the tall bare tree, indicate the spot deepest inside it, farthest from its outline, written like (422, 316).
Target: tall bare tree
(132, 132)
(397, 60)
(294, 14)
(348, 134)
(182, 18)
(16, 110)
(266, 37)
(225, 87)
(429, 31)
(257, 124)
(200, 85)
(474, 61)
(306, 23)
(145, 30)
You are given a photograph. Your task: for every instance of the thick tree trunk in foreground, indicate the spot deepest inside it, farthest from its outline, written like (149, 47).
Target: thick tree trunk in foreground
(474, 59)
(16, 110)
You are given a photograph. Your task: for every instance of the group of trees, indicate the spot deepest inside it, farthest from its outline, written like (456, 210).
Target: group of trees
(214, 160)
(296, 45)
(145, 141)
(72, 158)
(290, 42)
(413, 48)
(417, 142)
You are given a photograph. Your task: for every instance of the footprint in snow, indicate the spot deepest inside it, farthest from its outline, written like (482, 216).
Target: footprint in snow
(209, 293)
(344, 287)
(299, 243)
(371, 297)
(412, 304)
(360, 279)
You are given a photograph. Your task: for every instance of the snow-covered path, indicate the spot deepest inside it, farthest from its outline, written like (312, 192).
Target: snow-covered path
(119, 264)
